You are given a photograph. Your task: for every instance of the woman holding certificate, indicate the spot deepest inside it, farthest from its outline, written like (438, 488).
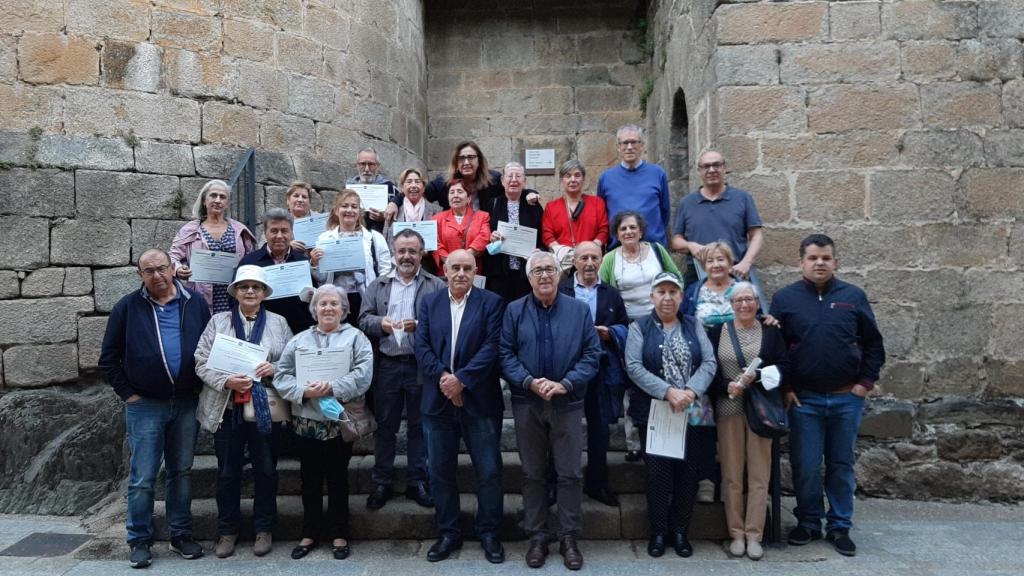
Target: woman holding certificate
(670, 359)
(322, 369)
(461, 227)
(414, 208)
(299, 201)
(222, 404)
(348, 255)
(201, 246)
(506, 274)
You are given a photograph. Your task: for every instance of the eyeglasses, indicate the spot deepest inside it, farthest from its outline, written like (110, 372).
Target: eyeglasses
(161, 270)
(467, 158)
(710, 165)
(744, 300)
(630, 143)
(255, 288)
(543, 272)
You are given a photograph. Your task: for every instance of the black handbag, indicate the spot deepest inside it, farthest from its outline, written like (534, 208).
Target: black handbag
(764, 409)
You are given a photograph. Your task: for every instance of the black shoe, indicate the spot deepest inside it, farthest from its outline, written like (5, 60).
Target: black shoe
(633, 456)
(493, 550)
(682, 545)
(341, 552)
(604, 496)
(840, 539)
(656, 545)
(186, 547)
(799, 536)
(301, 550)
(379, 497)
(419, 493)
(443, 548)
(140, 556)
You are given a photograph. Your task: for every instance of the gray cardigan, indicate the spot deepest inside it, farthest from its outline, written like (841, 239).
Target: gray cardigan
(349, 387)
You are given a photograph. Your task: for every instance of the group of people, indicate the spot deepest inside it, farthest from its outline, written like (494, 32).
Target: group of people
(595, 325)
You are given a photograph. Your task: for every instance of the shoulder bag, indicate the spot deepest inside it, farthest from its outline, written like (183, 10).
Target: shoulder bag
(764, 409)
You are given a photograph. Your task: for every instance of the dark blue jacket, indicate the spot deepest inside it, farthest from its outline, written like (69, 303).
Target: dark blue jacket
(611, 382)
(574, 355)
(476, 353)
(832, 338)
(132, 357)
(295, 311)
(654, 338)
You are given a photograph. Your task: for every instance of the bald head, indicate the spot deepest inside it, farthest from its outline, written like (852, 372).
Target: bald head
(460, 269)
(587, 259)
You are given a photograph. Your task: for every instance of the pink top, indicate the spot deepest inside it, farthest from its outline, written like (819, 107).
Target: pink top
(189, 238)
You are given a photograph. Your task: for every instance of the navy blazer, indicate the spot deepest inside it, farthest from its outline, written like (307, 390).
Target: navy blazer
(476, 353)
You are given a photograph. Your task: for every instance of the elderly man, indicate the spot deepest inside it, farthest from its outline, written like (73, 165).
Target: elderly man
(506, 275)
(636, 185)
(148, 357)
(388, 317)
(368, 172)
(549, 353)
(717, 211)
(602, 404)
(457, 353)
(277, 230)
(835, 355)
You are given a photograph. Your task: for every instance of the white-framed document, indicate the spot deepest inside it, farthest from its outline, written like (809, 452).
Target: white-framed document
(212, 267)
(308, 229)
(343, 254)
(666, 431)
(373, 196)
(425, 228)
(288, 279)
(327, 364)
(229, 355)
(517, 240)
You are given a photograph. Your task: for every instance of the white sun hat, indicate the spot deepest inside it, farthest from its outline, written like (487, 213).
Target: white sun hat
(253, 274)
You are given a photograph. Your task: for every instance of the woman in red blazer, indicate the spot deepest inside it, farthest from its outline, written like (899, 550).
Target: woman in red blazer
(461, 227)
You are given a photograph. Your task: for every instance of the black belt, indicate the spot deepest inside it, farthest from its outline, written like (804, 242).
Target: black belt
(400, 357)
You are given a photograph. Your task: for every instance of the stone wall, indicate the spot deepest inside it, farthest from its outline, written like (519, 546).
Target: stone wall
(897, 128)
(559, 74)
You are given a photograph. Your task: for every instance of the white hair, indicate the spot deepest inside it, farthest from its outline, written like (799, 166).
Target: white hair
(630, 128)
(199, 206)
(323, 291)
(536, 257)
(513, 165)
(742, 285)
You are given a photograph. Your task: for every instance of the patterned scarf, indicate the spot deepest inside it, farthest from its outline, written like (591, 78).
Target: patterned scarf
(260, 402)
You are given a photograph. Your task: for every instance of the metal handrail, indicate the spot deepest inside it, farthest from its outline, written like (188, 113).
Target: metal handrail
(245, 207)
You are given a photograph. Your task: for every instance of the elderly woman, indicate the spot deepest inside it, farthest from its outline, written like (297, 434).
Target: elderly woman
(631, 267)
(575, 217)
(709, 301)
(461, 227)
(347, 220)
(468, 164)
(506, 275)
(213, 230)
(738, 447)
(221, 404)
(298, 199)
(323, 451)
(414, 208)
(669, 357)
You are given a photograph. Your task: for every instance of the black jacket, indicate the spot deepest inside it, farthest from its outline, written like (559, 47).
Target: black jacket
(530, 215)
(772, 353)
(437, 191)
(295, 311)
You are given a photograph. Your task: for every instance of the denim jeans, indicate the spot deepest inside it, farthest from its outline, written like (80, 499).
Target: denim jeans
(229, 443)
(160, 431)
(395, 388)
(483, 440)
(824, 426)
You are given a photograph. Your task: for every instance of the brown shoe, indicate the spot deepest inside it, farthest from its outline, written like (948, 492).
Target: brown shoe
(264, 544)
(571, 553)
(537, 553)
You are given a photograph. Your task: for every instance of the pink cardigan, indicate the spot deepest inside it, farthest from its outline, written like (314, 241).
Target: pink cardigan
(189, 238)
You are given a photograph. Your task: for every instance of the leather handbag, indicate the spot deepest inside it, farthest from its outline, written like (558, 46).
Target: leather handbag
(280, 411)
(357, 421)
(764, 409)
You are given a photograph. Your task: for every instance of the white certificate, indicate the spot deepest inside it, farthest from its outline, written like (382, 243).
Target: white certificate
(288, 279)
(308, 229)
(517, 240)
(342, 255)
(229, 355)
(666, 431)
(327, 364)
(479, 281)
(212, 267)
(425, 228)
(371, 195)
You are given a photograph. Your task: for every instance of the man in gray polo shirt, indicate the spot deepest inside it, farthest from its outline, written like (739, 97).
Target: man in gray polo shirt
(717, 211)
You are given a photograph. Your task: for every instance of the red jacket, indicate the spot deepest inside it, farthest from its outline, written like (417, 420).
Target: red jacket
(452, 236)
(592, 223)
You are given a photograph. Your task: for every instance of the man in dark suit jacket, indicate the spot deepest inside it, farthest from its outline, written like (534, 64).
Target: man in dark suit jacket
(457, 354)
(603, 403)
(506, 275)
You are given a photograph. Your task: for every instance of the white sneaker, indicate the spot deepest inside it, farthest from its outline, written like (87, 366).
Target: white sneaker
(754, 549)
(737, 548)
(706, 491)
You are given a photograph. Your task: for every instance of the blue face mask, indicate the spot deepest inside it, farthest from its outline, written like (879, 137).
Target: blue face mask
(331, 408)
(494, 247)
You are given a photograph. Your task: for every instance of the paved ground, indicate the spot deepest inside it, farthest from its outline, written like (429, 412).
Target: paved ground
(894, 538)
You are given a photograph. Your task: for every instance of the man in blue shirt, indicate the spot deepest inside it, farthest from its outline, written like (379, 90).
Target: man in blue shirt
(636, 185)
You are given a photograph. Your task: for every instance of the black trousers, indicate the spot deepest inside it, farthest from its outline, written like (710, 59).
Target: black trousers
(672, 484)
(320, 460)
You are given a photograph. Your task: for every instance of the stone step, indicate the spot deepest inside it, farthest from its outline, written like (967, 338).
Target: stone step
(404, 520)
(624, 477)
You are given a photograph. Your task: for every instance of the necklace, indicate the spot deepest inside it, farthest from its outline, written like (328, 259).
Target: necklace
(634, 259)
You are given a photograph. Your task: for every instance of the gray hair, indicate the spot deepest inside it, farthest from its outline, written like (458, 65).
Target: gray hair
(742, 285)
(277, 214)
(629, 128)
(199, 206)
(571, 165)
(536, 257)
(513, 165)
(321, 292)
(369, 149)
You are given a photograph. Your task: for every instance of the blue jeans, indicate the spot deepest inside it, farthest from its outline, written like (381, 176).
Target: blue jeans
(160, 431)
(824, 426)
(229, 442)
(483, 440)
